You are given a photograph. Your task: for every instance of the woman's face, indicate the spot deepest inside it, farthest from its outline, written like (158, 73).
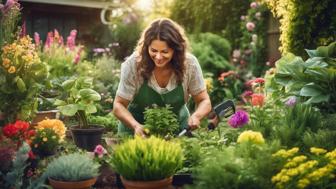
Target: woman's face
(160, 53)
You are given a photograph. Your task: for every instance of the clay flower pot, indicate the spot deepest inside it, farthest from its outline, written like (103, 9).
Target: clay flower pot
(85, 184)
(157, 184)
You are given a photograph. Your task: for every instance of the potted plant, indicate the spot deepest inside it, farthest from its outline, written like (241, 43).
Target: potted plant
(147, 163)
(79, 100)
(72, 171)
(49, 134)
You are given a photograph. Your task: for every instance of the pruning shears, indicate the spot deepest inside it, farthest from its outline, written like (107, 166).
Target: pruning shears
(223, 109)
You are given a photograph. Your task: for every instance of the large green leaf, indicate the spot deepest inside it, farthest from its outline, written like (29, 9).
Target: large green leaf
(311, 53)
(68, 110)
(59, 102)
(91, 108)
(311, 89)
(315, 62)
(89, 94)
(318, 99)
(67, 85)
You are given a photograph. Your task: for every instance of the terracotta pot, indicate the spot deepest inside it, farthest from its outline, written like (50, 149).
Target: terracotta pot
(157, 184)
(42, 115)
(85, 184)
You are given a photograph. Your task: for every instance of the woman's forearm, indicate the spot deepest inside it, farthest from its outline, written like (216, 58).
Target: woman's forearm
(202, 108)
(122, 113)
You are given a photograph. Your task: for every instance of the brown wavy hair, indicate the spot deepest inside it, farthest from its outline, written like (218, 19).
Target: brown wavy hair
(166, 30)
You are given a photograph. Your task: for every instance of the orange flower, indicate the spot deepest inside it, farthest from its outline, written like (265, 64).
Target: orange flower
(257, 100)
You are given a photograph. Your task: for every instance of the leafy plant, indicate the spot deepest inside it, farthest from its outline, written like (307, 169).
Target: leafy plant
(79, 99)
(110, 122)
(147, 159)
(14, 178)
(22, 75)
(314, 80)
(192, 154)
(72, 167)
(243, 166)
(161, 121)
(297, 121)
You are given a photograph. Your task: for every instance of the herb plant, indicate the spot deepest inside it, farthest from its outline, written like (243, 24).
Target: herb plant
(161, 121)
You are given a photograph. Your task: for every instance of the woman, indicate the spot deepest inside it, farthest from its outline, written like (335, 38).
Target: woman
(160, 72)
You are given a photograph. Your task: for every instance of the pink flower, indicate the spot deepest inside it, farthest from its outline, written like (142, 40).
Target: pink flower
(37, 39)
(71, 39)
(242, 17)
(250, 26)
(100, 150)
(254, 5)
(78, 55)
(258, 15)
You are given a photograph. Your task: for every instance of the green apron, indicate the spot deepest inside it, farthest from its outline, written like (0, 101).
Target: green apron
(147, 97)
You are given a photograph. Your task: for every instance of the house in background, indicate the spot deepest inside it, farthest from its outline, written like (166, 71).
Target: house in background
(42, 16)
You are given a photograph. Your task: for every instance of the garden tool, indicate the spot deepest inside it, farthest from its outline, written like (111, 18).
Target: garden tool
(223, 109)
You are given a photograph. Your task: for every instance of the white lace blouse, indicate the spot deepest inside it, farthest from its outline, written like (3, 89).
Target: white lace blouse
(130, 82)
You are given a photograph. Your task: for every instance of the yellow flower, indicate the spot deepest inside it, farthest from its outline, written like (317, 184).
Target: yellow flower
(45, 139)
(208, 83)
(317, 151)
(302, 183)
(286, 154)
(251, 136)
(11, 69)
(55, 124)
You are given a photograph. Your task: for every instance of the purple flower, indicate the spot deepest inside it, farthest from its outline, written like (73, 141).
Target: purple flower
(239, 119)
(291, 101)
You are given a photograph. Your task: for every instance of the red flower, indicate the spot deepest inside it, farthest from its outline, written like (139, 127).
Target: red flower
(257, 100)
(10, 130)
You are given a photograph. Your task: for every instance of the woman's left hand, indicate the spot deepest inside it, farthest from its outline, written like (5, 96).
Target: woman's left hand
(194, 122)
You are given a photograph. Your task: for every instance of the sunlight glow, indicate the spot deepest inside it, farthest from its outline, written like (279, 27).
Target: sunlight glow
(144, 4)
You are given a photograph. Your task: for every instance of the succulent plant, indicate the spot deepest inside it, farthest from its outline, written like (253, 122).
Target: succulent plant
(72, 167)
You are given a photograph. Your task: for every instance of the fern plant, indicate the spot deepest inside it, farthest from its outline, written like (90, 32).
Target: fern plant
(72, 167)
(161, 121)
(149, 159)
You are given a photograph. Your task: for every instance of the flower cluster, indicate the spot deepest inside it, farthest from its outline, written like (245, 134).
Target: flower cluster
(18, 132)
(251, 136)
(54, 124)
(45, 140)
(49, 134)
(23, 73)
(19, 56)
(255, 95)
(315, 170)
(239, 119)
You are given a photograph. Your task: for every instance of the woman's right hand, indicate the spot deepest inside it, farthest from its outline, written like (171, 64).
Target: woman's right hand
(139, 131)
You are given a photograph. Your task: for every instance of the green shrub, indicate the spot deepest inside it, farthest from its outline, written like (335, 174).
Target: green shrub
(212, 51)
(72, 167)
(297, 121)
(147, 159)
(243, 166)
(161, 121)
